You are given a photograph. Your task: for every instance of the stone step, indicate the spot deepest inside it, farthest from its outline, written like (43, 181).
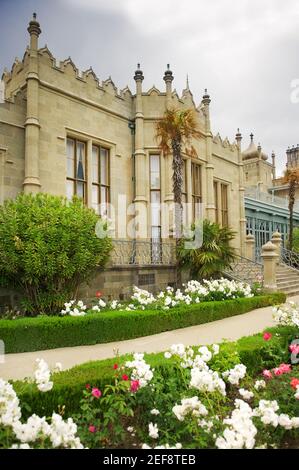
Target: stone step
(286, 285)
(287, 277)
(290, 290)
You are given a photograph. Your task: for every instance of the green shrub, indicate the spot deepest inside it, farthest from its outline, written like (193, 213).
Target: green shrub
(33, 334)
(296, 239)
(48, 247)
(214, 255)
(68, 385)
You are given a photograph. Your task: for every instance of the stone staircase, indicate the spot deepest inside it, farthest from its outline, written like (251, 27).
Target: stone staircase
(287, 279)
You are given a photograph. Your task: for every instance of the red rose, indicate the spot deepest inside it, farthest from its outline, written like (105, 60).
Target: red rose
(115, 366)
(295, 383)
(98, 294)
(125, 377)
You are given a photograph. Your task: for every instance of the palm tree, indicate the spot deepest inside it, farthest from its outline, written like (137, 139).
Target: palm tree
(176, 129)
(291, 178)
(214, 255)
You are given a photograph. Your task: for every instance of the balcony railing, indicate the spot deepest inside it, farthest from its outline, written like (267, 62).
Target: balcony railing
(255, 193)
(143, 253)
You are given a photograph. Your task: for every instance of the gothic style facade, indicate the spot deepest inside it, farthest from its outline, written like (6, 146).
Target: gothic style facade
(64, 132)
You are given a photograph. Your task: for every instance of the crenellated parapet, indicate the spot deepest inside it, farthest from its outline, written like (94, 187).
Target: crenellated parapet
(50, 66)
(224, 143)
(153, 91)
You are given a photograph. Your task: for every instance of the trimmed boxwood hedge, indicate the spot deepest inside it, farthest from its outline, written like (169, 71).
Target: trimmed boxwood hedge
(40, 333)
(69, 385)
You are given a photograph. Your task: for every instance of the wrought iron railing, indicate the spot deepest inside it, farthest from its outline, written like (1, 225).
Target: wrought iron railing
(245, 270)
(143, 253)
(290, 258)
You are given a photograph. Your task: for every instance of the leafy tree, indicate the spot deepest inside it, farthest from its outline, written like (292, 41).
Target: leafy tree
(291, 178)
(213, 256)
(48, 247)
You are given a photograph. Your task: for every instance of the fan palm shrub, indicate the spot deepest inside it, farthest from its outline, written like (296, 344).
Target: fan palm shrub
(213, 256)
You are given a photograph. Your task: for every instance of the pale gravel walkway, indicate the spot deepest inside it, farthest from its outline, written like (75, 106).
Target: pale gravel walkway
(21, 365)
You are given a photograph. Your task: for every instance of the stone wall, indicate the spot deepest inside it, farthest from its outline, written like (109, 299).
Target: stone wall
(115, 283)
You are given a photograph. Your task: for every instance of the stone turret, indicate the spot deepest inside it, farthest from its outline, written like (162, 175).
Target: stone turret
(210, 207)
(273, 156)
(31, 182)
(140, 156)
(168, 79)
(241, 192)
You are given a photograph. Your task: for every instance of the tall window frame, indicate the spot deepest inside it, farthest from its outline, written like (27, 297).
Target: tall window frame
(76, 179)
(101, 187)
(215, 185)
(224, 205)
(155, 200)
(196, 178)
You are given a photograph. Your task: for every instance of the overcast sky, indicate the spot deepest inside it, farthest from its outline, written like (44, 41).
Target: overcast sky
(245, 52)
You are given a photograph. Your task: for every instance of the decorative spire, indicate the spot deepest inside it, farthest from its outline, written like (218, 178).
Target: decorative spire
(34, 26)
(206, 98)
(168, 76)
(238, 135)
(138, 74)
(187, 83)
(251, 137)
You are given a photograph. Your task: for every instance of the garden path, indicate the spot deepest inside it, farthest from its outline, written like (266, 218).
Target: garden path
(21, 365)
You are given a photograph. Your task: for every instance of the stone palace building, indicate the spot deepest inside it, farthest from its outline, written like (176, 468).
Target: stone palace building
(65, 132)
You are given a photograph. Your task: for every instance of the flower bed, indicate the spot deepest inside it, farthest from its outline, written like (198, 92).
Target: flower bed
(236, 395)
(192, 293)
(33, 334)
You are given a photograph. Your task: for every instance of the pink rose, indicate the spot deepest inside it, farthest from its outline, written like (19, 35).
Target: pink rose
(134, 386)
(267, 374)
(294, 348)
(267, 336)
(277, 371)
(285, 368)
(92, 429)
(96, 392)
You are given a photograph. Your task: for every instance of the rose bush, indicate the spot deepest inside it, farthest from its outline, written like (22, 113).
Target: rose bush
(209, 400)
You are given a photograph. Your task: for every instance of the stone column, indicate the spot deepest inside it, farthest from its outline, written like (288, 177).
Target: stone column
(250, 247)
(277, 241)
(210, 203)
(273, 165)
(141, 170)
(241, 195)
(31, 182)
(168, 199)
(269, 256)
